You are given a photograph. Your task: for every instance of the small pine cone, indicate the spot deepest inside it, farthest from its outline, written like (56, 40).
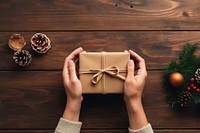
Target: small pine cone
(22, 57)
(40, 43)
(197, 75)
(185, 99)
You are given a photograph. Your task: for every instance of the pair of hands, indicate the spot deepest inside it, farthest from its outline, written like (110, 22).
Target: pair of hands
(133, 88)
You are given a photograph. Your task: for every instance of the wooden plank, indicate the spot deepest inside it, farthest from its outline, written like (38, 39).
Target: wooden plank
(98, 131)
(177, 131)
(157, 48)
(99, 15)
(155, 131)
(36, 99)
(51, 131)
(26, 131)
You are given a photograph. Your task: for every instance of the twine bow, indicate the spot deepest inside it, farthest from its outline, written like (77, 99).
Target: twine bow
(112, 70)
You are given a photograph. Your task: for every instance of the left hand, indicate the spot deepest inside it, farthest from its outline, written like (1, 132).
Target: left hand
(71, 82)
(72, 86)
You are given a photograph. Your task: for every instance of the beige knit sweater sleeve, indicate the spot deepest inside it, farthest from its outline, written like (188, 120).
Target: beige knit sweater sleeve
(146, 129)
(66, 126)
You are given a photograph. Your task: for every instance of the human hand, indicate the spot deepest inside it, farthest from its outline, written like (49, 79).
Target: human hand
(136, 78)
(133, 88)
(72, 86)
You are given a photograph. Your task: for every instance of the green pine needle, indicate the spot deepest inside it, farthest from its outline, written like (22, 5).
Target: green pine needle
(187, 65)
(188, 52)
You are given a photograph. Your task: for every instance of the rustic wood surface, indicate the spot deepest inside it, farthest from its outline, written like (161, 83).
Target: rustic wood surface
(32, 99)
(99, 15)
(98, 131)
(158, 48)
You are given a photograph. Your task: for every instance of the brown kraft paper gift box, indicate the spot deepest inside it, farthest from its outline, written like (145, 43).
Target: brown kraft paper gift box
(103, 72)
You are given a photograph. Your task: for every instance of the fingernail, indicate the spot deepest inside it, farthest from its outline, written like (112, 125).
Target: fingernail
(130, 62)
(130, 50)
(70, 63)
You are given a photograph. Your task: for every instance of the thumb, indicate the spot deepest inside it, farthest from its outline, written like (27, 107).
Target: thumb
(72, 71)
(130, 69)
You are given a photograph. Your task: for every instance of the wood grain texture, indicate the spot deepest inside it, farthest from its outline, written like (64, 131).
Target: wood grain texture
(32, 99)
(99, 15)
(36, 99)
(157, 48)
(26, 131)
(98, 131)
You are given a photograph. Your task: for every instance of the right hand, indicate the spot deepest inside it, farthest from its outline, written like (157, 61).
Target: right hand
(133, 88)
(136, 78)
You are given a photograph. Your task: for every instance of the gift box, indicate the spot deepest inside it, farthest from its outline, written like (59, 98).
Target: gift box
(103, 72)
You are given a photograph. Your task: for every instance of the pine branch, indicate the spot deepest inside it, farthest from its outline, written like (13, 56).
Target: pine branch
(188, 53)
(172, 67)
(187, 66)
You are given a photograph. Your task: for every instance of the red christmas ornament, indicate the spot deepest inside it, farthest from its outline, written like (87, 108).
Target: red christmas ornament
(188, 88)
(194, 87)
(192, 79)
(191, 85)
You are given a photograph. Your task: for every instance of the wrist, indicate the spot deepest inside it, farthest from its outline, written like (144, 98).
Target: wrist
(74, 105)
(136, 114)
(72, 109)
(134, 105)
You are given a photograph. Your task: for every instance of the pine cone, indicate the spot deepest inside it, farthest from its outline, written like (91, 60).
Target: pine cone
(22, 57)
(40, 43)
(185, 99)
(197, 75)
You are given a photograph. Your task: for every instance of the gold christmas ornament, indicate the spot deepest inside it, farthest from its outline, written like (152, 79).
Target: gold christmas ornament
(40, 43)
(176, 79)
(16, 42)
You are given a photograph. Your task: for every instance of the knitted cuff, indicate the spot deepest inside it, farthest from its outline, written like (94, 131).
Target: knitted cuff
(66, 126)
(146, 129)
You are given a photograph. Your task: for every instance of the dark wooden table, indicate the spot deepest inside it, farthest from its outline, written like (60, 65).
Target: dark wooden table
(32, 99)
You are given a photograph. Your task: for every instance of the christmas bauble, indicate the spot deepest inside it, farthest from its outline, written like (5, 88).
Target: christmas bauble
(16, 42)
(176, 79)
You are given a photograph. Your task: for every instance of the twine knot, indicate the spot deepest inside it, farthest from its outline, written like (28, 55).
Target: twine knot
(112, 70)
